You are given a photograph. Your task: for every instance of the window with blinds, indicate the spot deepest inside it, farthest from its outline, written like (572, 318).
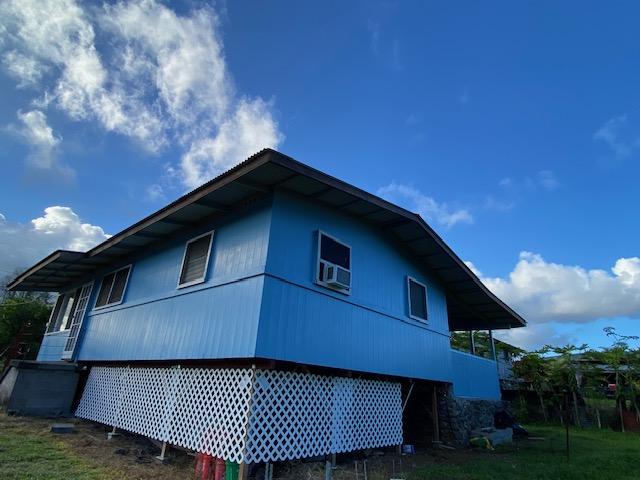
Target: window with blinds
(113, 287)
(196, 260)
(417, 299)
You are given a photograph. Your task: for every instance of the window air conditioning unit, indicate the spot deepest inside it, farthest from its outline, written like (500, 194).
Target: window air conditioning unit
(336, 277)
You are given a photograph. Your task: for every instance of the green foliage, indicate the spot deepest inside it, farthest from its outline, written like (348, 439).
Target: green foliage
(600, 454)
(23, 319)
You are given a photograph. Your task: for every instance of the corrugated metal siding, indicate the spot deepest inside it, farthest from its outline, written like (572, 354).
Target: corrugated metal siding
(215, 319)
(306, 326)
(52, 346)
(217, 322)
(474, 377)
(370, 329)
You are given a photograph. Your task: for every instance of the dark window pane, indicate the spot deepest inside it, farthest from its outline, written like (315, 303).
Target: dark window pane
(418, 300)
(195, 260)
(335, 252)
(118, 285)
(105, 288)
(55, 314)
(73, 302)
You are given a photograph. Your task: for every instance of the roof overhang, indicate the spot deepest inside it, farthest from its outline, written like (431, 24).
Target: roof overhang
(470, 304)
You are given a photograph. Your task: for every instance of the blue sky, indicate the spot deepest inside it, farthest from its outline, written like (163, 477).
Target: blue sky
(512, 127)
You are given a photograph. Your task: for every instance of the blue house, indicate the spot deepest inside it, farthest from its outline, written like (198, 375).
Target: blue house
(273, 313)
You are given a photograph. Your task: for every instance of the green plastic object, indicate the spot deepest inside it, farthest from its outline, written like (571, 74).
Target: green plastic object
(231, 470)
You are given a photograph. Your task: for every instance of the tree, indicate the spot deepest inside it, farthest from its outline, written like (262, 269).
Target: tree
(23, 319)
(623, 361)
(563, 373)
(531, 367)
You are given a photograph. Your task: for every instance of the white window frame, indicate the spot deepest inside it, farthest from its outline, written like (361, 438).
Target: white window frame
(206, 265)
(318, 280)
(126, 284)
(426, 299)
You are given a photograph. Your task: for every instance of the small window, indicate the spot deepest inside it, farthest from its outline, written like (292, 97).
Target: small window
(112, 288)
(195, 261)
(334, 263)
(63, 311)
(417, 299)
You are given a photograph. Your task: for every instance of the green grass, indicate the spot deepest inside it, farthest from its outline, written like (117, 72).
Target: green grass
(28, 455)
(594, 454)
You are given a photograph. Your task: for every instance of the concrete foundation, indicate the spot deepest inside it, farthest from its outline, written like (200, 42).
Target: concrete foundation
(39, 388)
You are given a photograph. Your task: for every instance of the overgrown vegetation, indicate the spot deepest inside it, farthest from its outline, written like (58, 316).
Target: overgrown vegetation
(23, 319)
(572, 383)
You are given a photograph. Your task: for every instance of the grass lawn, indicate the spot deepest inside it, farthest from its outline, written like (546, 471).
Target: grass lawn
(29, 451)
(27, 455)
(594, 454)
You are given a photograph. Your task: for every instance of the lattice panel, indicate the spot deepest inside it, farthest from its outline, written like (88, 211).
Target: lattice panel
(244, 415)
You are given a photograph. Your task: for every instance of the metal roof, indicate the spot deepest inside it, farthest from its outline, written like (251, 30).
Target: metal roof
(470, 303)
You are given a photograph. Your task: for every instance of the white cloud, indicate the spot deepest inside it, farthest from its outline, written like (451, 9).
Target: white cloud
(157, 77)
(59, 228)
(26, 70)
(425, 206)
(547, 180)
(154, 192)
(550, 292)
(247, 131)
(534, 336)
(614, 134)
(42, 142)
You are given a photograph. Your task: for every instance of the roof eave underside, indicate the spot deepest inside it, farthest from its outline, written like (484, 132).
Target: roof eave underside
(471, 305)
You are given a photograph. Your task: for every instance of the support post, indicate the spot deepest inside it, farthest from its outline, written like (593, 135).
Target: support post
(112, 433)
(492, 345)
(161, 457)
(328, 471)
(472, 343)
(406, 400)
(243, 471)
(436, 419)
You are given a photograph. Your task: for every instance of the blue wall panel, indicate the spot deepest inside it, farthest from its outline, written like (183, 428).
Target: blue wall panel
(211, 322)
(369, 330)
(52, 346)
(215, 319)
(474, 377)
(306, 326)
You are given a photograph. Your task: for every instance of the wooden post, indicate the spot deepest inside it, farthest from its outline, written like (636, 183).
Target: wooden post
(436, 420)
(493, 346)
(243, 471)
(472, 343)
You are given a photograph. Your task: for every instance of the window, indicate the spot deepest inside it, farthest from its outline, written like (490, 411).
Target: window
(417, 299)
(112, 287)
(334, 263)
(196, 260)
(63, 311)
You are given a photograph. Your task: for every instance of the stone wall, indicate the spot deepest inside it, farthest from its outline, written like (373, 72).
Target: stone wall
(459, 416)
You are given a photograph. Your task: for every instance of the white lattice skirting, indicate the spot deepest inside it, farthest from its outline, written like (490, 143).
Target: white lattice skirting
(246, 415)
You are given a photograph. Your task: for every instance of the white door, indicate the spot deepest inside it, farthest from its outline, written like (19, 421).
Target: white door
(76, 321)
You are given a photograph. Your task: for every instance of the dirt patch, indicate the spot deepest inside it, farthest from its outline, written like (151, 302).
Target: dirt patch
(129, 456)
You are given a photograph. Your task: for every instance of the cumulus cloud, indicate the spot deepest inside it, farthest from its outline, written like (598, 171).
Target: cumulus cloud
(58, 228)
(534, 336)
(551, 292)
(427, 207)
(158, 77)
